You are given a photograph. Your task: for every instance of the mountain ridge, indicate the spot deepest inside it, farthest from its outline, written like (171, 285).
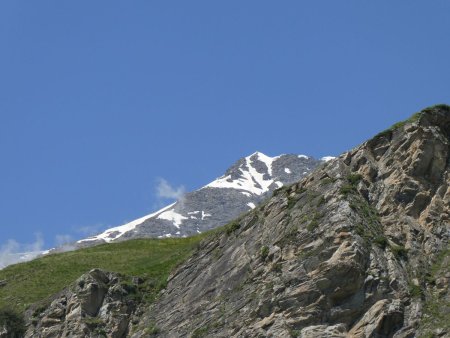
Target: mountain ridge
(245, 184)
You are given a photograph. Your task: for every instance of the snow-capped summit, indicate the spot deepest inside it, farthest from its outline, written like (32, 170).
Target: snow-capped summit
(248, 180)
(243, 186)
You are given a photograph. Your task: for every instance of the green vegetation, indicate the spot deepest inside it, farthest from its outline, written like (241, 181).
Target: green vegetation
(264, 251)
(200, 332)
(232, 227)
(350, 187)
(327, 180)
(96, 325)
(354, 179)
(152, 259)
(399, 251)
(381, 241)
(437, 306)
(13, 322)
(152, 329)
(294, 333)
(314, 223)
(347, 189)
(415, 117)
(415, 290)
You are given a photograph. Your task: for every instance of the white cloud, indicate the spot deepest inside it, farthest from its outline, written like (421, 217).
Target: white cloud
(13, 252)
(165, 190)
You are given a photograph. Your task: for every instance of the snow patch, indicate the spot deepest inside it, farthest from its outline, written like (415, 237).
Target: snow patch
(303, 156)
(287, 171)
(250, 180)
(204, 214)
(328, 158)
(116, 232)
(172, 216)
(251, 205)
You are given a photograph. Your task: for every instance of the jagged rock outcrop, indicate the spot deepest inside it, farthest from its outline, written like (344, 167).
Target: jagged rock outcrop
(356, 249)
(99, 304)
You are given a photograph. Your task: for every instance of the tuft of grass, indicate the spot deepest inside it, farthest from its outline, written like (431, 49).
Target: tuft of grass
(347, 189)
(415, 117)
(354, 179)
(399, 251)
(200, 332)
(415, 290)
(264, 251)
(232, 227)
(152, 259)
(381, 241)
(152, 329)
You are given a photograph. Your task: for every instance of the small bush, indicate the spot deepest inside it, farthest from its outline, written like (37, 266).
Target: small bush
(321, 201)
(347, 189)
(264, 252)
(381, 241)
(232, 227)
(415, 290)
(200, 332)
(277, 267)
(312, 225)
(399, 251)
(291, 202)
(152, 329)
(13, 322)
(354, 179)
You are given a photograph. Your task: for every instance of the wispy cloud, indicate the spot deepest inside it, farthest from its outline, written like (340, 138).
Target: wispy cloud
(165, 190)
(13, 252)
(63, 239)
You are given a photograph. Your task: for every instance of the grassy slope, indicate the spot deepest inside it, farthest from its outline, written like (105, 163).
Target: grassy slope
(33, 281)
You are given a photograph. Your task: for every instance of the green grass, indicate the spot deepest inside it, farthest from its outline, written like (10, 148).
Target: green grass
(264, 252)
(152, 259)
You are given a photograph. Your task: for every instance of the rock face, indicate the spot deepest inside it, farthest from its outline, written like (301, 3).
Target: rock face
(359, 248)
(99, 304)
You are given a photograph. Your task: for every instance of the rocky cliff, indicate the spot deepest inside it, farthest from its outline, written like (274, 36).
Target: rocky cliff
(358, 248)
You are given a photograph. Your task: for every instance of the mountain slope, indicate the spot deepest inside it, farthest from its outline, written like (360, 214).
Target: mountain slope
(358, 248)
(347, 251)
(241, 188)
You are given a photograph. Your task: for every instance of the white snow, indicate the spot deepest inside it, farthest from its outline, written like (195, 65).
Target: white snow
(266, 159)
(249, 176)
(246, 193)
(204, 214)
(303, 156)
(287, 171)
(251, 205)
(279, 184)
(171, 215)
(109, 235)
(328, 158)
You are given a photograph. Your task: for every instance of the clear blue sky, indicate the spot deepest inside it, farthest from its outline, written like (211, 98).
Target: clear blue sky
(99, 99)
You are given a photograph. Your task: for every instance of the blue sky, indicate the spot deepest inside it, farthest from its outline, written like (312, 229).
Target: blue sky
(101, 99)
